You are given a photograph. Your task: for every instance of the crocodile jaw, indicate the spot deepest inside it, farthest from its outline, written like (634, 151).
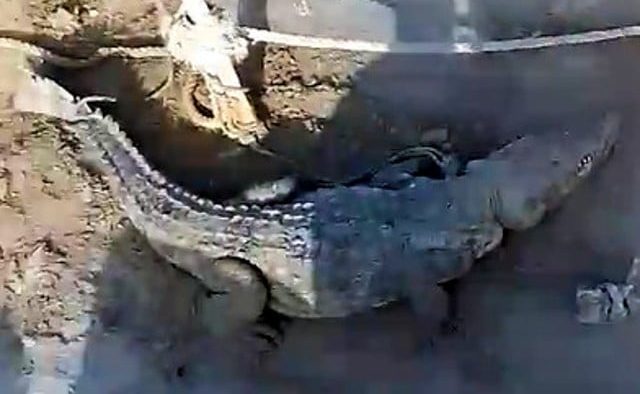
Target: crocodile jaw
(535, 174)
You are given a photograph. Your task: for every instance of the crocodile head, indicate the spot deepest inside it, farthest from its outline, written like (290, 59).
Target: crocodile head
(533, 175)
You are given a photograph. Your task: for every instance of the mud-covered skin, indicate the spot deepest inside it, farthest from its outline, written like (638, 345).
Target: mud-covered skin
(345, 249)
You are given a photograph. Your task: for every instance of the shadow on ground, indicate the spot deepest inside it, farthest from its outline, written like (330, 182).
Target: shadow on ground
(12, 358)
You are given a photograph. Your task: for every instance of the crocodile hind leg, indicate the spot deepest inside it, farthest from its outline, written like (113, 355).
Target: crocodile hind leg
(237, 311)
(266, 336)
(429, 297)
(234, 299)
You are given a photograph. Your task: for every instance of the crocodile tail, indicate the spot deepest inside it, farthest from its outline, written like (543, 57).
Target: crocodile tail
(40, 96)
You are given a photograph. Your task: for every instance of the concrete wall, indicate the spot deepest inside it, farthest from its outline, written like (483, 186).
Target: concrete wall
(491, 98)
(409, 20)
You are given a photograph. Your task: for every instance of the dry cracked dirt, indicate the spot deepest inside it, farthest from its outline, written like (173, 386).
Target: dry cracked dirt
(88, 308)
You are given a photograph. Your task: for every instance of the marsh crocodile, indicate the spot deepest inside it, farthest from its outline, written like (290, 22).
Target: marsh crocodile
(334, 251)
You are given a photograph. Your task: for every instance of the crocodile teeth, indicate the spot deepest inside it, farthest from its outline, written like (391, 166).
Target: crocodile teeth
(585, 164)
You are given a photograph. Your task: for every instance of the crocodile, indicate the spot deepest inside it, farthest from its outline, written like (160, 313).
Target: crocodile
(332, 252)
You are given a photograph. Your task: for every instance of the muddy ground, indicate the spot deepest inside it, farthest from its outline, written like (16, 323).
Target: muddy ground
(87, 305)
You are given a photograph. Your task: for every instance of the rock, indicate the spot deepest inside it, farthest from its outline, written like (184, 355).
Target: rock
(609, 302)
(63, 21)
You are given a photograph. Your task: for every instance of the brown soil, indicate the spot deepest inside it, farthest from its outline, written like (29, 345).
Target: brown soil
(86, 304)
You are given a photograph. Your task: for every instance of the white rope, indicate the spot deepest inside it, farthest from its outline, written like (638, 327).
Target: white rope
(296, 40)
(224, 36)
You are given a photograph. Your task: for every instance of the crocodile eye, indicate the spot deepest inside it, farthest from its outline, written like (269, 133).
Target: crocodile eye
(585, 164)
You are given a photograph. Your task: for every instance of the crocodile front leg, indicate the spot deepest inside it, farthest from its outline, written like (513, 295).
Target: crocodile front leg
(429, 305)
(428, 301)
